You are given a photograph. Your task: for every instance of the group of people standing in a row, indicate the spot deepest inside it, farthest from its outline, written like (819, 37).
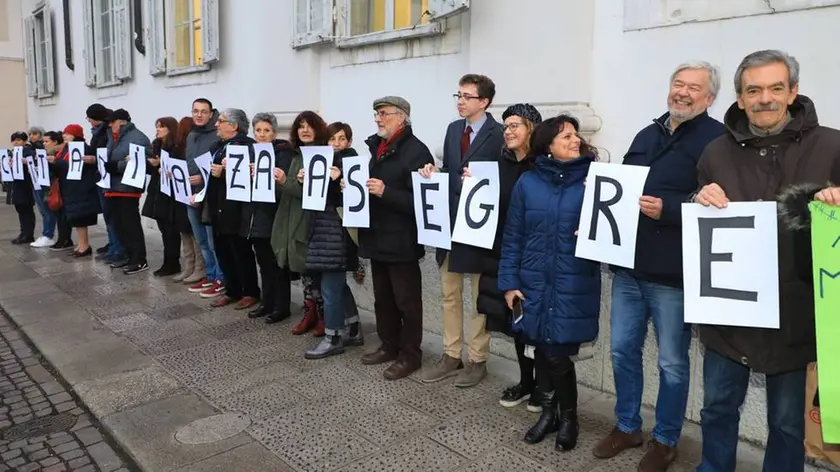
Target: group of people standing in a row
(529, 285)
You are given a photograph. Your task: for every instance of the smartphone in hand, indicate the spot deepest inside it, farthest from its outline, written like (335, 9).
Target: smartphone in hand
(517, 310)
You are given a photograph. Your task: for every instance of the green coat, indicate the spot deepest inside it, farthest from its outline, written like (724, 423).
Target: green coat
(290, 234)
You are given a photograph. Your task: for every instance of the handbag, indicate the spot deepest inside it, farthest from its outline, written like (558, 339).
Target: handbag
(815, 447)
(54, 201)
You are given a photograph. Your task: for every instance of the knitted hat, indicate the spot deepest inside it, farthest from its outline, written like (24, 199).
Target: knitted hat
(119, 114)
(98, 112)
(75, 130)
(523, 110)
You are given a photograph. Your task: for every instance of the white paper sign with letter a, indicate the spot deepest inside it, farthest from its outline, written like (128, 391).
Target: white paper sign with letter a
(135, 171)
(316, 175)
(356, 199)
(731, 264)
(181, 189)
(431, 209)
(609, 218)
(238, 173)
(76, 149)
(262, 189)
(478, 207)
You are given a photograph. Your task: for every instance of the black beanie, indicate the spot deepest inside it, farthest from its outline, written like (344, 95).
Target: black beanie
(119, 114)
(97, 112)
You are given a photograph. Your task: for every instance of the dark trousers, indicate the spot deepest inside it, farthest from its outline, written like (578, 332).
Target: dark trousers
(276, 283)
(557, 374)
(64, 230)
(125, 216)
(171, 244)
(526, 366)
(398, 303)
(26, 217)
(238, 264)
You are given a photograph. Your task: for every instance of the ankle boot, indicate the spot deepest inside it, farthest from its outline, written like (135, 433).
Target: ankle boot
(199, 271)
(547, 423)
(568, 429)
(320, 326)
(329, 346)
(188, 250)
(310, 318)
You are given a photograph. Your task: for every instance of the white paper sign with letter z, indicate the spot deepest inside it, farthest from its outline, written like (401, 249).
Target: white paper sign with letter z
(731, 264)
(431, 209)
(238, 173)
(317, 161)
(135, 170)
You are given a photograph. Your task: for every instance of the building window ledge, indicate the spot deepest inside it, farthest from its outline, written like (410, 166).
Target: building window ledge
(187, 77)
(112, 89)
(47, 101)
(380, 37)
(188, 70)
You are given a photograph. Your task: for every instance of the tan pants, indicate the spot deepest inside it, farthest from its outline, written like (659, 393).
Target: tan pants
(456, 329)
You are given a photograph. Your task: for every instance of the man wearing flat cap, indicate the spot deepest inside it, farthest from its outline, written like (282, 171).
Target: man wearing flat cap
(391, 241)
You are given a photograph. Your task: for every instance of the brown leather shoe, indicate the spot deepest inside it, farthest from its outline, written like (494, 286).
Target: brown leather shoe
(658, 457)
(245, 302)
(222, 301)
(615, 443)
(400, 369)
(379, 356)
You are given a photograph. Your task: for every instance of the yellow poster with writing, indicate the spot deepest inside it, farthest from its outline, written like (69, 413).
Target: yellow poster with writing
(825, 244)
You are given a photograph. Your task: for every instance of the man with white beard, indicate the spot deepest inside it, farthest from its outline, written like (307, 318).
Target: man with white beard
(671, 148)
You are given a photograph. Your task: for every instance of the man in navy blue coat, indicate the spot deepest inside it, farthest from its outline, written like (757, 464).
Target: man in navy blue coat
(670, 147)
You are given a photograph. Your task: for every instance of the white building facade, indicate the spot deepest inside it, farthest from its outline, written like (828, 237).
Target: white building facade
(13, 99)
(605, 61)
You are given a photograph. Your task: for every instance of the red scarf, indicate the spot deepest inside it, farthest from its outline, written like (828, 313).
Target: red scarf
(383, 145)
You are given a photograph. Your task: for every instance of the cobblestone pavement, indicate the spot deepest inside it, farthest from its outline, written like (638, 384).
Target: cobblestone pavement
(42, 427)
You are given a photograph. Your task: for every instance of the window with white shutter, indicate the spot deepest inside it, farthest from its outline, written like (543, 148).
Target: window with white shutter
(189, 41)
(40, 55)
(376, 21)
(89, 51)
(155, 36)
(313, 22)
(108, 42)
(122, 39)
(31, 60)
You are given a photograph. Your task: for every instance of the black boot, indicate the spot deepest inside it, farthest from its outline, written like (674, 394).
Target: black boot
(547, 423)
(568, 427)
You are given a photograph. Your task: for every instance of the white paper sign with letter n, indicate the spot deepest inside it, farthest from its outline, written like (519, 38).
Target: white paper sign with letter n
(237, 173)
(135, 170)
(356, 199)
(180, 182)
(731, 264)
(43, 167)
(609, 217)
(262, 184)
(5, 166)
(478, 207)
(17, 163)
(104, 176)
(317, 161)
(431, 209)
(76, 151)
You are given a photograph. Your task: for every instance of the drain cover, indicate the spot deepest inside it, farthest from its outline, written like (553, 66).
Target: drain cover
(213, 428)
(39, 427)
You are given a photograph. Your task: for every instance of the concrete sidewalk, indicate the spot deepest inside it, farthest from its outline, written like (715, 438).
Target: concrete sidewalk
(181, 387)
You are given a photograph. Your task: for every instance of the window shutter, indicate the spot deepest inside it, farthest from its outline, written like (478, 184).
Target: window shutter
(48, 87)
(442, 9)
(31, 65)
(156, 36)
(210, 31)
(122, 39)
(89, 51)
(313, 22)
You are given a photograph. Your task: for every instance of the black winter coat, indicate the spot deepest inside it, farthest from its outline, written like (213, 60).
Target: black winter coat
(224, 215)
(21, 191)
(330, 247)
(158, 205)
(392, 236)
(258, 217)
(491, 301)
(80, 198)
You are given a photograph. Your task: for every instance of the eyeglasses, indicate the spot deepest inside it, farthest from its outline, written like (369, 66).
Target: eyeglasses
(458, 96)
(512, 126)
(201, 112)
(222, 120)
(383, 113)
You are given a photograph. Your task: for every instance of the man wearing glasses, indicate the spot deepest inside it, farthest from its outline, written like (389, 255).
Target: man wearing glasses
(476, 137)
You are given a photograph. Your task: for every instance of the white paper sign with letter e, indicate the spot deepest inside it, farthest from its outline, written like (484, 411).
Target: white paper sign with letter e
(17, 163)
(731, 264)
(356, 199)
(478, 207)
(237, 173)
(43, 167)
(181, 189)
(609, 217)
(431, 209)
(317, 161)
(262, 184)
(76, 151)
(135, 170)
(104, 176)
(5, 166)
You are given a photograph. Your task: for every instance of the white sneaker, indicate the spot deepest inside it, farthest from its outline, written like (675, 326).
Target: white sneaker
(42, 241)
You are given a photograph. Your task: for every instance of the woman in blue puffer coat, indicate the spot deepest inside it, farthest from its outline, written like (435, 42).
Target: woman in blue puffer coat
(559, 293)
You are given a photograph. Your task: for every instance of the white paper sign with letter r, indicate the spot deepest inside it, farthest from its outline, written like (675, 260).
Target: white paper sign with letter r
(731, 264)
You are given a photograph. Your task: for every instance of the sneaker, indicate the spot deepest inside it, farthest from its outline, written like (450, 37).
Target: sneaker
(534, 403)
(135, 268)
(62, 245)
(119, 263)
(216, 289)
(446, 367)
(42, 241)
(200, 286)
(515, 396)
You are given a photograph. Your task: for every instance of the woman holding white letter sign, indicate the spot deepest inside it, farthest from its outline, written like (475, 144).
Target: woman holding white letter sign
(558, 294)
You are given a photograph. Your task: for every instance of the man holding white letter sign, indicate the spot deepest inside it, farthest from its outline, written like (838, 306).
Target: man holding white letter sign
(651, 289)
(773, 144)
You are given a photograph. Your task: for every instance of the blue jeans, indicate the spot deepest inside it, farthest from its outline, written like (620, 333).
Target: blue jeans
(725, 387)
(635, 301)
(204, 236)
(337, 302)
(115, 249)
(48, 219)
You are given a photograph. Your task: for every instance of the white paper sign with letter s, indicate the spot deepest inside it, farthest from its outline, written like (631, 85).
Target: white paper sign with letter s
(76, 151)
(316, 175)
(238, 173)
(43, 167)
(262, 184)
(135, 170)
(104, 176)
(5, 166)
(356, 199)
(17, 163)
(731, 264)
(478, 207)
(431, 209)
(609, 217)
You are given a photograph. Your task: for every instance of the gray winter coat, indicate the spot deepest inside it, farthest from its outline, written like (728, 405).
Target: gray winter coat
(117, 152)
(200, 140)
